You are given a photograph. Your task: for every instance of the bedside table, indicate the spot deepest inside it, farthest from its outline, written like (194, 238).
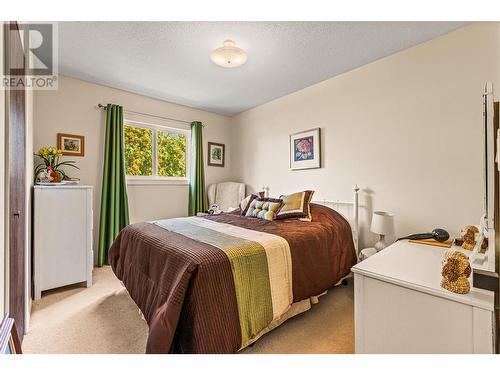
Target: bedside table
(400, 307)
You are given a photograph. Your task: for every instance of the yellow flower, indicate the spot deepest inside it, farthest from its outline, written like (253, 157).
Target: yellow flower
(46, 152)
(43, 152)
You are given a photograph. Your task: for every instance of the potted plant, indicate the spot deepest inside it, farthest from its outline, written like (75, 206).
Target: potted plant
(49, 170)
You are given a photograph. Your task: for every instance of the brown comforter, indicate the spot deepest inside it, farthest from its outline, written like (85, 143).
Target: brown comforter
(185, 288)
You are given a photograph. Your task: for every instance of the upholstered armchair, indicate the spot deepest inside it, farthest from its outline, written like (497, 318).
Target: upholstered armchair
(227, 195)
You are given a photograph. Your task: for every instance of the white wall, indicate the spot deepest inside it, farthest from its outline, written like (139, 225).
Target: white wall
(73, 109)
(406, 129)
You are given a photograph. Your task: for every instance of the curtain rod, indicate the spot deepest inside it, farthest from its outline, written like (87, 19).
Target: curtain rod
(149, 115)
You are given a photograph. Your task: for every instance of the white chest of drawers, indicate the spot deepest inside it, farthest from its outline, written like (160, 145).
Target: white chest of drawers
(400, 307)
(62, 236)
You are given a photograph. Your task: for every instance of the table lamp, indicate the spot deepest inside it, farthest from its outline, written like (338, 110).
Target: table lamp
(382, 224)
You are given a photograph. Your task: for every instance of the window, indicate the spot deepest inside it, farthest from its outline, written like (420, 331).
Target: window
(138, 151)
(155, 153)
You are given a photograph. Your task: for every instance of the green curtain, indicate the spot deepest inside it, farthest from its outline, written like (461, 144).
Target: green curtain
(114, 201)
(197, 196)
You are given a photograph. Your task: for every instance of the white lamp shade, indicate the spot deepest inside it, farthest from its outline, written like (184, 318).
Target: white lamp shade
(382, 223)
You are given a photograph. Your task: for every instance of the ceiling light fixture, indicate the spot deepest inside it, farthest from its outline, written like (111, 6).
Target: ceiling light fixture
(229, 56)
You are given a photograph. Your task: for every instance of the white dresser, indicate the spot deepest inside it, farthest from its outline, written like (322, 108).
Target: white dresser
(400, 307)
(62, 236)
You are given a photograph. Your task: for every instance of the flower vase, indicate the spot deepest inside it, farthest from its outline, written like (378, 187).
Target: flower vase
(54, 176)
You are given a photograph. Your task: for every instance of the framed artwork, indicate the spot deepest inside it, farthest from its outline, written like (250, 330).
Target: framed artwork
(9, 341)
(216, 154)
(305, 149)
(71, 144)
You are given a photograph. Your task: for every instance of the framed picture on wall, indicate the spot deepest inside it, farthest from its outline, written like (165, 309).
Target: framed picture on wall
(216, 154)
(71, 144)
(305, 149)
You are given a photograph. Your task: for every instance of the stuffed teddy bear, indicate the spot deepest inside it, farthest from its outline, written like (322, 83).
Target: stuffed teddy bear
(214, 210)
(455, 272)
(469, 237)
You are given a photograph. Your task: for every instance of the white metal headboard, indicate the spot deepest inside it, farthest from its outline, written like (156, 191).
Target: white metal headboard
(350, 210)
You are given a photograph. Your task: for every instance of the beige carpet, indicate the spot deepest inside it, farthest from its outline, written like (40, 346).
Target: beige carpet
(104, 319)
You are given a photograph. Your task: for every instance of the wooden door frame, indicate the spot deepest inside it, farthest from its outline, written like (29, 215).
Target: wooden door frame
(16, 175)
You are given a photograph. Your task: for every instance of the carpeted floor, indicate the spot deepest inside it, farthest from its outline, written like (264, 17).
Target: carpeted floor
(104, 319)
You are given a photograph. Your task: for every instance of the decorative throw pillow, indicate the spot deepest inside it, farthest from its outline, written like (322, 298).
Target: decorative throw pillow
(264, 208)
(246, 201)
(296, 205)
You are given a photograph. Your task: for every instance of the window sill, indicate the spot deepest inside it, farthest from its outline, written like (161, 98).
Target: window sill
(156, 181)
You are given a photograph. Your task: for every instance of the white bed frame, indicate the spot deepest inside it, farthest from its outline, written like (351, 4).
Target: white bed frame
(350, 210)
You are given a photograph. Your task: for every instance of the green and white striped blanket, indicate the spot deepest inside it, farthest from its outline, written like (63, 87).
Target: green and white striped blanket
(260, 263)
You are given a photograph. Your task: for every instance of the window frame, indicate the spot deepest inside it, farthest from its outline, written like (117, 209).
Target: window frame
(154, 179)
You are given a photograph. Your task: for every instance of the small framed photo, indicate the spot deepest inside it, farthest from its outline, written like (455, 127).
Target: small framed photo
(71, 144)
(9, 341)
(216, 154)
(305, 149)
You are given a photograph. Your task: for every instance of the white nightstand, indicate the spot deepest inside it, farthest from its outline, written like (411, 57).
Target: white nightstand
(400, 307)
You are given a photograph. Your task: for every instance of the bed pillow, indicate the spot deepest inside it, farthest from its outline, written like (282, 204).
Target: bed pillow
(296, 206)
(246, 201)
(264, 208)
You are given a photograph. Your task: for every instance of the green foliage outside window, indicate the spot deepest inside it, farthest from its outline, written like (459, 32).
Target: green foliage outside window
(171, 152)
(138, 151)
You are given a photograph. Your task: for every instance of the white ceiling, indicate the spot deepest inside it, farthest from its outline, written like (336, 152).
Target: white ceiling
(170, 60)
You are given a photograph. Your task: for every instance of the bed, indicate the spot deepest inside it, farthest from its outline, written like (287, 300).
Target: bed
(217, 283)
